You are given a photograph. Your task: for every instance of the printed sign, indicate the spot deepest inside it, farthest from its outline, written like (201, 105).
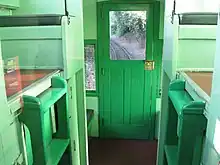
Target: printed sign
(12, 76)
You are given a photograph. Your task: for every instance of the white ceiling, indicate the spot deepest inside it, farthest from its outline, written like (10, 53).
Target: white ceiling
(197, 6)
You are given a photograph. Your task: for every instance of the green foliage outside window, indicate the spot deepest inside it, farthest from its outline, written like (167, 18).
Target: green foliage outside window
(124, 22)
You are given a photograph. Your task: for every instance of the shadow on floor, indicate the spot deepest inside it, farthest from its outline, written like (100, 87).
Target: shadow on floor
(122, 152)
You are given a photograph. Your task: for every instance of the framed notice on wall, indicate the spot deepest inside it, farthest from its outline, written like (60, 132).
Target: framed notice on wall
(12, 75)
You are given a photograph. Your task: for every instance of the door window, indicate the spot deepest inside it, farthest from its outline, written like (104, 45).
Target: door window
(127, 35)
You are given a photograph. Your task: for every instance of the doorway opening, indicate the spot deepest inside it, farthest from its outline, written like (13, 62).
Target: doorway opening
(125, 91)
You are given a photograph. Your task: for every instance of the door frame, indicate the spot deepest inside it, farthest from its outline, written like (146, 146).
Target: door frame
(152, 53)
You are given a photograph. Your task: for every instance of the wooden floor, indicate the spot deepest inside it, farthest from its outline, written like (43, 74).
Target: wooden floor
(122, 152)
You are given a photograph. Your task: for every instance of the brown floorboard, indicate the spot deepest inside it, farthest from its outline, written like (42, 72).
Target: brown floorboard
(122, 152)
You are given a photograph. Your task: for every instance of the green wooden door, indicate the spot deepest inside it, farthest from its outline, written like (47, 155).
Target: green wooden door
(125, 85)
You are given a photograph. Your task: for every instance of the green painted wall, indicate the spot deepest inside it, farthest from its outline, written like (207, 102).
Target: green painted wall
(34, 53)
(190, 51)
(90, 19)
(47, 7)
(39, 7)
(92, 103)
(196, 42)
(10, 132)
(33, 7)
(163, 118)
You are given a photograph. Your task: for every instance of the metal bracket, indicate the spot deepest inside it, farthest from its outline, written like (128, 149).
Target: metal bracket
(71, 92)
(174, 11)
(68, 20)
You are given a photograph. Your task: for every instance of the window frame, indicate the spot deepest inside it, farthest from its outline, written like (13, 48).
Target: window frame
(92, 42)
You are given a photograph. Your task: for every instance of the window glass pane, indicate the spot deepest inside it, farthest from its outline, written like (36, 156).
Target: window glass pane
(90, 67)
(127, 35)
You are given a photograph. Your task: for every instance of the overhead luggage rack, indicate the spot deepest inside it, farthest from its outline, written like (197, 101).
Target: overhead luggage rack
(198, 19)
(30, 20)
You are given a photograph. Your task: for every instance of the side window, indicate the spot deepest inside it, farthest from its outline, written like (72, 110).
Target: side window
(90, 67)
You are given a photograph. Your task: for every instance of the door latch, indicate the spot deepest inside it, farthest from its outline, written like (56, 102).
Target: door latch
(149, 65)
(71, 92)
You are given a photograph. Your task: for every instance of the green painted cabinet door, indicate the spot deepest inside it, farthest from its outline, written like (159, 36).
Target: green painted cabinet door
(82, 121)
(73, 122)
(77, 115)
(125, 84)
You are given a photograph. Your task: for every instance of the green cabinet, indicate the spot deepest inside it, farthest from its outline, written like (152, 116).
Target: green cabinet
(48, 146)
(186, 126)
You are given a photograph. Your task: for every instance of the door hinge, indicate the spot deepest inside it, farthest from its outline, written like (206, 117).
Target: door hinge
(160, 92)
(74, 145)
(71, 92)
(102, 71)
(102, 121)
(102, 13)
